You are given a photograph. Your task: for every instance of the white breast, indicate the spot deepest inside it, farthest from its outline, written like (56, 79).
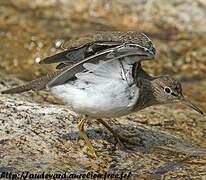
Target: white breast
(103, 91)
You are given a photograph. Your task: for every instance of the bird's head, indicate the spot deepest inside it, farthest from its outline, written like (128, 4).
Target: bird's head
(167, 90)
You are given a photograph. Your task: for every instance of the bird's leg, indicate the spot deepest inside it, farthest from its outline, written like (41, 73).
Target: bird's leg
(84, 135)
(121, 140)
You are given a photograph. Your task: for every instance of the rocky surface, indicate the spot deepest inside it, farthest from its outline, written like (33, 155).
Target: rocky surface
(38, 133)
(30, 30)
(44, 137)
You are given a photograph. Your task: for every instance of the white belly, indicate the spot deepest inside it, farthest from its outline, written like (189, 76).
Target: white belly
(103, 91)
(110, 99)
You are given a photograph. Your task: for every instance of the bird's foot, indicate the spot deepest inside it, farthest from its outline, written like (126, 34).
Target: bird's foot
(84, 136)
(121, 140)
(124, 140)
(89, 145)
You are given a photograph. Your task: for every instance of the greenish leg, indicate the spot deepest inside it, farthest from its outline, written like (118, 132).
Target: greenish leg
(83, 135)
(121, 140)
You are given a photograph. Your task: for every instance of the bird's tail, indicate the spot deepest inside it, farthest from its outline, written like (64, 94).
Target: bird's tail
(37, 84)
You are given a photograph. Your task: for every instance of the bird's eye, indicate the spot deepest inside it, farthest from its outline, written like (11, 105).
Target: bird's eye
(167, 90)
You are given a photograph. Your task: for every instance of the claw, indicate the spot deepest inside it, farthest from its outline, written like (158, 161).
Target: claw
(121, 140)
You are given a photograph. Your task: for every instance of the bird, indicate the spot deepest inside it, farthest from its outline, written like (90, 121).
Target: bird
(100, 76)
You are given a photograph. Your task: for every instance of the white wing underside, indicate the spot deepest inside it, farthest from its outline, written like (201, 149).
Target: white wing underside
(105, 89)
(106, 71)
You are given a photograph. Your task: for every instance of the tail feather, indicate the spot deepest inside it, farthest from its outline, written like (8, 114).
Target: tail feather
(37, 84)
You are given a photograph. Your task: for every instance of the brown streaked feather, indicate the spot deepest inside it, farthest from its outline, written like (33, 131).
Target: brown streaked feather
(37, 84)
(112, 36)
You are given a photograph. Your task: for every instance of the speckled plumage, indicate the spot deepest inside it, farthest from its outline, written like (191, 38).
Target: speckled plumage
(112, 36)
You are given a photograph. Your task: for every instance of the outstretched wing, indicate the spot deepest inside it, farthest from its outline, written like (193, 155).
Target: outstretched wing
(77, 54)
(79, 48)
(107, 46)
(125, 50)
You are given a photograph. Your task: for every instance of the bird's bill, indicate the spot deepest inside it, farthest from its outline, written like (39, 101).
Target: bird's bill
(191, 105)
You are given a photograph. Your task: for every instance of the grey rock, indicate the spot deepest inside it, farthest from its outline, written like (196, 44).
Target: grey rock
(44, 137)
